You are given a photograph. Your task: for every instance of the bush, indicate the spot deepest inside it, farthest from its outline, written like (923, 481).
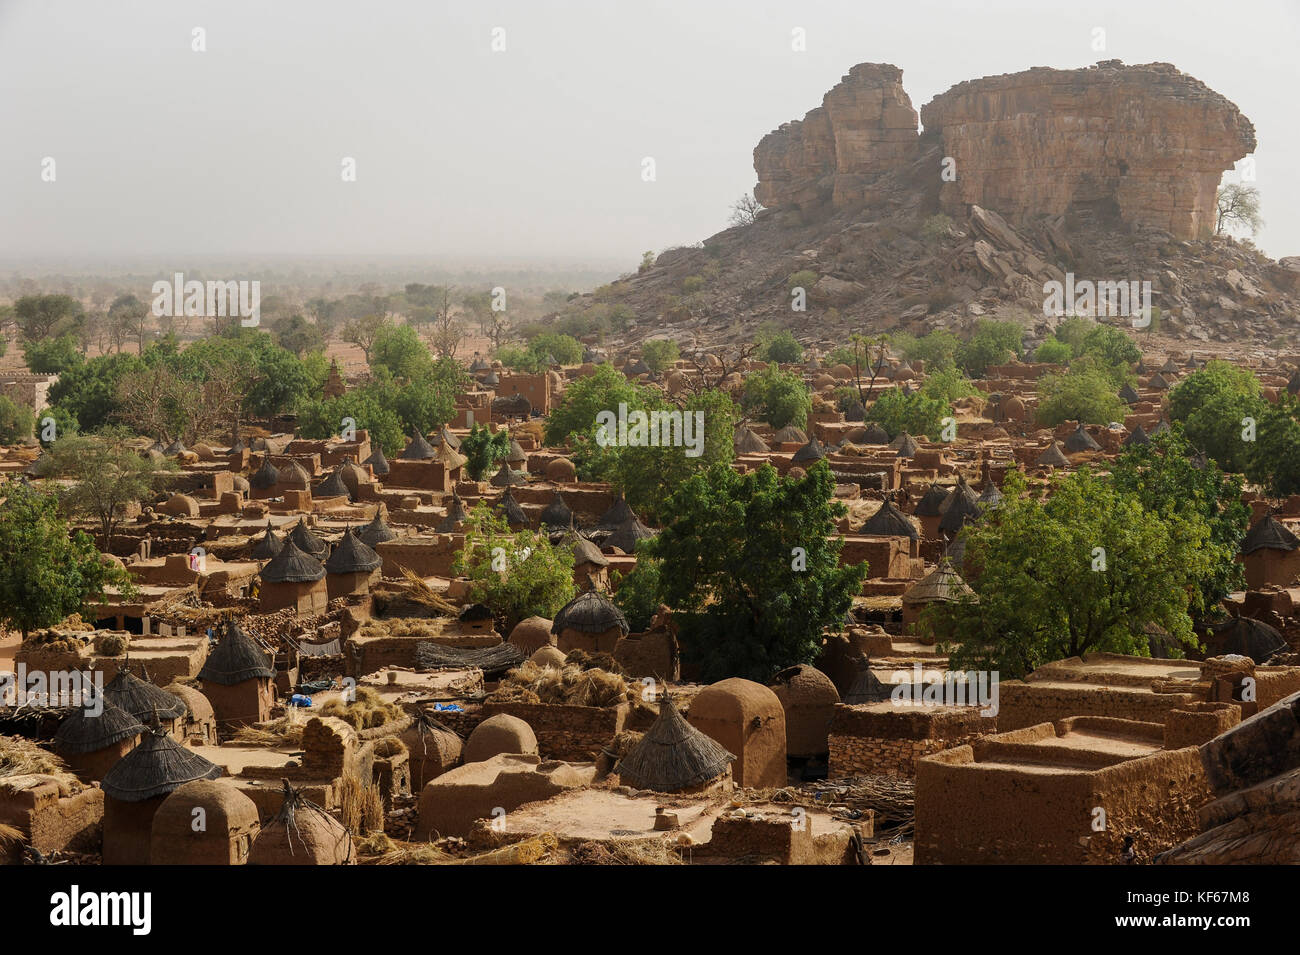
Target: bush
(692, 284)
(779, 347)
(16, 421)
(660, 353)
(804, 279)
(1085, 393)
(1054, 351)
(936, 227)
(993, 343)
(917, 413)
(52, 356)
(779, 397)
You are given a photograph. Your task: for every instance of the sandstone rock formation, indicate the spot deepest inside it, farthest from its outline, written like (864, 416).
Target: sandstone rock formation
(1145, 145)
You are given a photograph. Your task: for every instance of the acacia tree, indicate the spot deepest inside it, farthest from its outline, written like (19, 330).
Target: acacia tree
(58, 573)
(1237, 207)
(750, 570)
(109, 477)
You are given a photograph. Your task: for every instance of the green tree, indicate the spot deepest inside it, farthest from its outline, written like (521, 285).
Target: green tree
(993, 343)
(749, 568)
(109, 477)
(778, 397)
(637, 594)
(1237, 207)
(1087, 570)
(52, 356)
(660, 354)
(298, 335)
(1053, 351)
(321, 419)
(917, 413)
(47, 316)
(1163, 478)
(89, 392)
(398, 350)
(565, 349)
(588, 396)
(16, 421)
(1084, 393)
(517, 575)
(483, 448)
(1211, 404)
(938, 349)
(59, 573)
(1274, 459)
(779, 346)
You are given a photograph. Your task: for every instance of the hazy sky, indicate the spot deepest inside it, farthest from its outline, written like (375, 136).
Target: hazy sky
(534, 152)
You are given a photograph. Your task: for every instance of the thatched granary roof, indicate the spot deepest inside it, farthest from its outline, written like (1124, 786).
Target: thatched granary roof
(991, 496)
(294, 475)
(450, 458)
(747, 442)
(1052, 457)
(1248, 637)
(268, 545)
(417, 449)
(306, 541)
(456, 515)
(585, 552)
(932, 501)
(1170, 367)
(866, 687)
(1293, 385)
(589, 612)
(1157, 382)
(942, 584)
(790, 435)
(334, 486)
(377, 531)
(889, 521)
(83, 733)
(516, 453)
(378, 463)
(448, 438)
(627, 534)
(1128, 394)
(507, 476)
(512, 406)
(955, 552)
(352, 556)
(964, 507)
(1269, 532)
(514, 514)
(874, 434)
(155, 768)
(557, 513)
(905, 445)
(1081, 440)
(619, 513)
(292, 566)
(302, 833)
(140, 698)
(673, 755)
(1137, 436)
(237, 658)
(812, 451)
(266, 476)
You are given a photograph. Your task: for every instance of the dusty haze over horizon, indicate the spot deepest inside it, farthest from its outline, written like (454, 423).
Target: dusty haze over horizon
(533, 154)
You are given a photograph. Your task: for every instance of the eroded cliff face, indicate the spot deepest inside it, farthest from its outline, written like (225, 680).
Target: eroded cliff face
(1146, 145)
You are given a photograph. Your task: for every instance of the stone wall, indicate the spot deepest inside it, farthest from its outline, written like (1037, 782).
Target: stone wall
(884, 740)
(572, 733)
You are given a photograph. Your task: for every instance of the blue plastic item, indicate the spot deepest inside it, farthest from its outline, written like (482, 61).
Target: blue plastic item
(299, 700)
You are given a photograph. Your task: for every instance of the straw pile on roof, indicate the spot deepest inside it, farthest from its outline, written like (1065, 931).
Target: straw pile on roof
(141, 698)
(237, 658)
(83, 733)
(281, 732)
(493, 661)
(20, 756)
(673, 755)
(302, 833)
(155, 768)
(570, 685)
(366, 711)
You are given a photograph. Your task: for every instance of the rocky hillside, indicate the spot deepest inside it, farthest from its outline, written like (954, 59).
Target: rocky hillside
(1107, 173)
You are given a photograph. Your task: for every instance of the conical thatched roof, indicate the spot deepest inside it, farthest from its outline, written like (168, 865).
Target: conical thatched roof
(627, 534)
(1293, 385)
(1248, 637)
(333, 486)
(932, 501)
(142, 699)
(176, 447)
(451, 458)
(292, 565)
(1052, 457)
(507, 477)
(991, 496)
(812, 451)
(516, 453)
(378, 463)
(456, 515)
(589, 612)
(1269, 532)
(491, 380)
(866, 687)
(747, 442)
(514, 514)
(904, 444)
(790, 435)
(83, 733)
(875, 434)
(955, 552)
(418, 449)
(305, 540)
(619, 513)
(1170, 367)
(557, 513)
(889, 521)
(941, 584)
(302, 833)
(963, 508)
(452, 441)
(377, 531)
(637, 367)
(1128, 394)
(1136, 436)
(673, 755)
(352, 556)
(1080, 440)
(268, 545)
(266, 476)
(1161, 427)
(1158, 382)
(856, 411)
(479, 364)
(236, 658)
(585, 552)
(155, 768)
